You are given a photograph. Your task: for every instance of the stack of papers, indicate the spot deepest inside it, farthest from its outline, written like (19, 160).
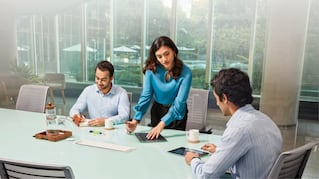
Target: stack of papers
(105, 145)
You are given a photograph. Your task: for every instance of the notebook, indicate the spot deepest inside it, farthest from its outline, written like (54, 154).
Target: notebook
(142, 137)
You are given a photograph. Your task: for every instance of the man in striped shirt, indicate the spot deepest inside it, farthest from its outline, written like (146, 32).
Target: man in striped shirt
(251, 141)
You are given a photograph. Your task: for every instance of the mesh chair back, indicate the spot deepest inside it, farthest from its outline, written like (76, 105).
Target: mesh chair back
(27, 170)
(291, 164)
(32, 98)
(197, 109)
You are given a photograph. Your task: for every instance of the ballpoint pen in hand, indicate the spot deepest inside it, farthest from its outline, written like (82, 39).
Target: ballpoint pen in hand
(78, 118)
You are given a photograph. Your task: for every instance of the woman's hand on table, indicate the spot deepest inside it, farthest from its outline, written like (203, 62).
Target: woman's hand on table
(156, 131)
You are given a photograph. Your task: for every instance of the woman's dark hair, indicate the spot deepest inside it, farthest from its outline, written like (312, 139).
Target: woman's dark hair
(151, 62)
(234, 84)
(105, 66)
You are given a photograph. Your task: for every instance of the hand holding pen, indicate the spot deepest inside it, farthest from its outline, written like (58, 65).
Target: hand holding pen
(78, 118)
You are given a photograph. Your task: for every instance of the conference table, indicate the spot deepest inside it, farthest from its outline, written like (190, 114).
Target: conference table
(145, 160)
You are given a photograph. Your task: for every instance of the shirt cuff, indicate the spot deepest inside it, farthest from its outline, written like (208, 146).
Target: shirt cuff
(195, 160)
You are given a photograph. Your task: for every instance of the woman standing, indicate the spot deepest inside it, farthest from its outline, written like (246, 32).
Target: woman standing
(167, 81)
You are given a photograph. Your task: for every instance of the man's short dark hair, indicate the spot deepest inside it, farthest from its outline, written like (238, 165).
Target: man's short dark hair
(234, 84)
(105, 66)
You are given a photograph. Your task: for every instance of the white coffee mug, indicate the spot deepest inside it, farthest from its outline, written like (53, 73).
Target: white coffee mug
(108, 124)
(192, 135)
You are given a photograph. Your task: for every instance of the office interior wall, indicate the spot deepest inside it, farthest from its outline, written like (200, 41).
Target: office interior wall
(7, 36)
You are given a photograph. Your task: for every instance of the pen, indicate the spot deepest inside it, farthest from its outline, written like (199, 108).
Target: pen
(95, 132)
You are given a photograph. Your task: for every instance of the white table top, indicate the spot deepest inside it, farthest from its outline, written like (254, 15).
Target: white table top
(147, 160)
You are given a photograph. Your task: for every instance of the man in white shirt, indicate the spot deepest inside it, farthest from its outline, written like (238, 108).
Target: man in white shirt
(103, 100)
(251, 141)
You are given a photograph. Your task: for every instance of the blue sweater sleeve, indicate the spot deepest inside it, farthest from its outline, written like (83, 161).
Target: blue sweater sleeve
(145, 98)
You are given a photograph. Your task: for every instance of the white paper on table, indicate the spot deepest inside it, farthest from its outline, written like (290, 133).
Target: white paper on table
(84, 123)
(105, 145)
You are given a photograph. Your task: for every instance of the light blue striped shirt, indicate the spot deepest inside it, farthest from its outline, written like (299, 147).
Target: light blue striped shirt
(114, 105)
(249, 146)
(173, 92)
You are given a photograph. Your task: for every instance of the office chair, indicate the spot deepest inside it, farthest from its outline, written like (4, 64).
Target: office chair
(24, 170)
(32, 98)
(56, 81)
(197, 109)
(291, 164)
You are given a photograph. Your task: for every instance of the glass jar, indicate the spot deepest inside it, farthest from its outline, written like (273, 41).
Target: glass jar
(50, 112)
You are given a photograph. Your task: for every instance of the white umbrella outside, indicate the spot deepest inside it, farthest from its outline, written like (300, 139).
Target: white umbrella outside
(185, 49)
(77, 48)
(136, 47)
(22, 49)
(124, 49)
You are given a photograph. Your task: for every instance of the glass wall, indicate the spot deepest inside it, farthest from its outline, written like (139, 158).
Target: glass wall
(192, 39)
(70, 44)
(97, 33)
(36, 41)
(310, 79)
(210, 35)
(232, 32)
(128, 25)
(24, 41)
(257, 46)
(158, 17)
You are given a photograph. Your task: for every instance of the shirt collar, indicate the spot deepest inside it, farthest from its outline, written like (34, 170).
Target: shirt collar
(247, 107)
(112, 91)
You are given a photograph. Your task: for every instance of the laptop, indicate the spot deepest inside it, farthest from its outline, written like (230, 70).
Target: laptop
(142, 138)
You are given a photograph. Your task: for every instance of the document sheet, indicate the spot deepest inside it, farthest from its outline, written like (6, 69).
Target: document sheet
(105, 145)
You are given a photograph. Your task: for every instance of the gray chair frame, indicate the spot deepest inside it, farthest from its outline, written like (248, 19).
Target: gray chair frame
(130, 98)
(32, 98)
(27, 170)
(291, 164)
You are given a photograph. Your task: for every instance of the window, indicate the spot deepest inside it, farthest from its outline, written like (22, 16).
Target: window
(231, 34)
(98, 32)
(127, 42)
(310, 79)
(210, 35)
(24, 51)
(192, 39)
(69, 35)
